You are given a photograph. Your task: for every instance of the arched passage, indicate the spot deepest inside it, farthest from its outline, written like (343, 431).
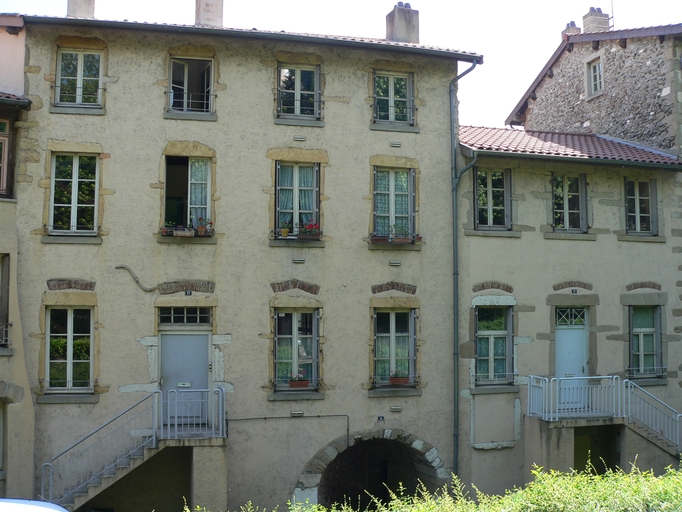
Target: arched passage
(374, 461)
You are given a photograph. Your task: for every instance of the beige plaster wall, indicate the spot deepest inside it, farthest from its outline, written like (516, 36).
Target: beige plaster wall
(528, 267)
(16, 440)
(12, 52)
(131, 139)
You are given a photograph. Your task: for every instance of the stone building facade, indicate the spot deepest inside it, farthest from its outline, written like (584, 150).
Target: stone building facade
(138, 135)
(626, 84)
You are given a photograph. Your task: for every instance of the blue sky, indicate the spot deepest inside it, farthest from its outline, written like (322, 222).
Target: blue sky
(516, 37)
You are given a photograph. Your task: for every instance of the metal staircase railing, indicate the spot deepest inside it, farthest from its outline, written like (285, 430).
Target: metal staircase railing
(552, 399)
(187, 413)
(656, 415)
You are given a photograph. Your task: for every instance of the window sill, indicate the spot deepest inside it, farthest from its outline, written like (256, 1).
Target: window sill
(191, 116)
(85, 111)
(641, 238)
(494, 389)
(286, 396)
(394, 127)
(286, 242)
(7, 200)
(186, 240)
(492, 232)
(67, 399)
(650, 381)
(291, 121)
(382, 244)
(6, 351)
(570, 236)
(393, 391)
(595, 95)
(75, 239)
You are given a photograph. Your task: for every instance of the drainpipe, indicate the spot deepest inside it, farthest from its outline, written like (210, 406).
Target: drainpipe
(456, 175)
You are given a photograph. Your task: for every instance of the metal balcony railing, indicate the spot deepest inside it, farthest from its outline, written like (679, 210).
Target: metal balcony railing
(645, 408)
(4, 335)
(194, 413)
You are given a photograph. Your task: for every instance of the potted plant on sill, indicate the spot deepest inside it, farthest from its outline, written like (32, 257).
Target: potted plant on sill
(284, 229)
(400, 235)
(398, 378)
(298, 381)
(167, 229)
(308, 231)
(181, 231)
(204, 227)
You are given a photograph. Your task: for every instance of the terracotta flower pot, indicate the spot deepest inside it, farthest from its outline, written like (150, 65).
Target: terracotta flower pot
(284, 232)
(299, 383)
(201, 230)
(399, 381)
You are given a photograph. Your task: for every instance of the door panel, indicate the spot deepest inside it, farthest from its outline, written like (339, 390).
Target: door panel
(571, 357)
(184, 367)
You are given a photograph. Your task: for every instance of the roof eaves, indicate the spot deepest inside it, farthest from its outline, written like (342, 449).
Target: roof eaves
(260, 34)
(663, 30)
(524, 99)
(18, 103)
(562, 158)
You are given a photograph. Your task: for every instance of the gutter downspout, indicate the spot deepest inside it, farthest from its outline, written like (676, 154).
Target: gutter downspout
(455, 256)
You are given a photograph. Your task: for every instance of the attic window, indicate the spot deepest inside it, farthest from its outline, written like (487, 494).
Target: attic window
(594, 77)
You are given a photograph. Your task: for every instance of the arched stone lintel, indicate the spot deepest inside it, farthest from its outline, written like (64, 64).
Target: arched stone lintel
(572, 284)
(291, 284)
(646, 284)
(492, 285)
(394, 285)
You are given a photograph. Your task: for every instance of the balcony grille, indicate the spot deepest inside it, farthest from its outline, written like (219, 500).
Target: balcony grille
(4, 335)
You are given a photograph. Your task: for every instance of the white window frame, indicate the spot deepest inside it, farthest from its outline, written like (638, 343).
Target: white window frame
(317, 111)
(391, 193)
(79, 79)
(637, 334)
(565, 194)
(493, 377)
(188, 106)
(412, 349)
(70, 388)
(391, 99)
(75, 180)
(296, 210)
(596, 78)
(489, 207)
(4, 300)
(633, 210)
(282, 382)
(189, 219)
(4, 157)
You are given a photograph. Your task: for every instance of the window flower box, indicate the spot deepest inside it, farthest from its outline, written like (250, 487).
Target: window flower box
(398, 240)
(308, 236)
(398, 381)
(183, 232)
(299, 384)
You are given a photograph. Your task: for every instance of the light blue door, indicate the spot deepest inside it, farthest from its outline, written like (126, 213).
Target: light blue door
(184, 368)
(571, 357)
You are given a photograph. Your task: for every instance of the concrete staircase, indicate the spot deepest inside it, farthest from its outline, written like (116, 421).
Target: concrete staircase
(654, 438)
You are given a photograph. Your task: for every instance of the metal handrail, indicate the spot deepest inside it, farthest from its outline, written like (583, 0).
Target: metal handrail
(652, 412)
(4, 335)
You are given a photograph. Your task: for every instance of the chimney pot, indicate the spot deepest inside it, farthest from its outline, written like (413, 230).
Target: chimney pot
(402, 24)
(80, 9)
(595, 21)
(209, 13)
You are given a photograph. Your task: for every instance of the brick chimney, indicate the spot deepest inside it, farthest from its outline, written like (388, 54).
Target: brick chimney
(570, 30)
(209, 12)
(595, 21)
(402, 24)
(80, 9)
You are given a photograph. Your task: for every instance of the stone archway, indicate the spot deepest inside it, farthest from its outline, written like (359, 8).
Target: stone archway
(388, 456)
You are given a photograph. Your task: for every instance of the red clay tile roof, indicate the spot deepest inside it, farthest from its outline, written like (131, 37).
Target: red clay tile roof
(568, 145)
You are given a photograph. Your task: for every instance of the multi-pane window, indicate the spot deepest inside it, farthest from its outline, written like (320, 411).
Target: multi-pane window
(298, 91)
(493, 199)
(494, 348)
(187, 190)
(394, 202)
(394, 345)
(645, 341)
(296, 347)
(596, 82)
(185, 315)
(569, 203)
(297, 198)
(191, 87)
(79, 76)
(74, 193)
(69, 348)
(640, 207)
(4, 157)
(393, 98)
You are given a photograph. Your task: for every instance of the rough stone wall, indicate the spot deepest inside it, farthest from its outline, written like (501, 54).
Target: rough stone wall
(637, 103)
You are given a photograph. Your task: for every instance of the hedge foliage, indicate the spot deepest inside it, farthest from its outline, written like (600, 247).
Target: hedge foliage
(553, 491)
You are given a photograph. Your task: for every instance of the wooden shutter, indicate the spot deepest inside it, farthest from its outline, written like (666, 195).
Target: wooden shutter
(658, 345)
(318, 94)
(316, 195)
(373, 373)
(374, 210)
(4, 290)
(510, 344)
(278, 78)
(475, 180)
(277, 216)
(412, 201)
(374, 96)
(316, 346)
(411, 109)
(413, 345)
(625, 201)
(630, 323)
